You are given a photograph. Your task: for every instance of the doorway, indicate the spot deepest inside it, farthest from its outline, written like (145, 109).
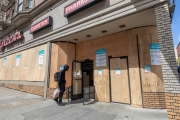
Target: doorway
(82, 76)
(119, 78)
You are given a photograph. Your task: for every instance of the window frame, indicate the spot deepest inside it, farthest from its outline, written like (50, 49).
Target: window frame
(29, 5)
(19, 4)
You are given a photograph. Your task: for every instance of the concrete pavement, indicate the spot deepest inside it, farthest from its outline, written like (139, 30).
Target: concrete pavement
(16, 105)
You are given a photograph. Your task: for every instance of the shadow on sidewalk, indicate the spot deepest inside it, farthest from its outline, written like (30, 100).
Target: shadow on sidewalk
(80, 101)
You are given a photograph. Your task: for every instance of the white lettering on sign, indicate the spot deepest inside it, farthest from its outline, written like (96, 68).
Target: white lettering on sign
(8, 40)
(39, 25)
(76, 5)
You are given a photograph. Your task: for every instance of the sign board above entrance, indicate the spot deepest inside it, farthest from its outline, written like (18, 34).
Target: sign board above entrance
(78, 6)
(10, 39)
(41, 25)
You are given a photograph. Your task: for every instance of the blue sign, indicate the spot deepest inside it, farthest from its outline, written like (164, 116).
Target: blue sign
(147, 68)
(101, 51)
(100, 72)
(155, 54)
(118, 71)
(155, 46)
(18, 56)
(4, 62)
(41, 52)
(61, 68)
(41, 57)
(101, 57)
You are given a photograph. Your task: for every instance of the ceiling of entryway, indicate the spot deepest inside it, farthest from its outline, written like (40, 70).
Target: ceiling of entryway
(144, 18)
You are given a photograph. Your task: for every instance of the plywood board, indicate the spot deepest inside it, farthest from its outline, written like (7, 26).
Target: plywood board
(135, 83)
(77, 87)
(29, 58)
(119, 82)
(152, 81)
(116, 45)
(62, 53)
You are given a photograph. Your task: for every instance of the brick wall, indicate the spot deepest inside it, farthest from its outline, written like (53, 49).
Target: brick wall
(170, 74)
(173, 106)
(154, 100)
(37, 90)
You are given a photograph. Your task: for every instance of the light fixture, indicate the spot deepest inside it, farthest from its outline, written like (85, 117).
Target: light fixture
(122, 26)
(88, 35)
(104, 31)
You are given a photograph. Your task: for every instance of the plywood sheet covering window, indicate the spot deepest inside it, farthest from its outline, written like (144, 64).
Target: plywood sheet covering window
(135, 84)
(125, 44)
(62, 53)
(116, 45)
(119, 81)
(152, 81)
(28, 69)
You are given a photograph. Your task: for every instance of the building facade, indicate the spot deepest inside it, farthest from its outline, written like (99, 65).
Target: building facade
(122, 47)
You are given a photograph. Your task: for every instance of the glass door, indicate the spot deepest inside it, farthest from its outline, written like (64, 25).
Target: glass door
(77, 88)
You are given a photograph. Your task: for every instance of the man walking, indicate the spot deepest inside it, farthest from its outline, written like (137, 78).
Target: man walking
(61, 83)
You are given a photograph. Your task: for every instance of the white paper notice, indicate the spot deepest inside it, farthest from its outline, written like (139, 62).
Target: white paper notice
(101, 57)
(41, 57)
(61, 68)
(25, 67)
(40, 66)
(18, 58)
(147, 68)
(100, 72)
(118, 71)
(155, 54)
(5, 62)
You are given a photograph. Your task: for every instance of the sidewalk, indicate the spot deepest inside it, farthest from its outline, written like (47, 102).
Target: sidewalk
(16, 105)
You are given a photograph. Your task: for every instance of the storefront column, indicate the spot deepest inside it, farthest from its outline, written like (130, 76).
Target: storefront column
(170, 74)
(47, 72)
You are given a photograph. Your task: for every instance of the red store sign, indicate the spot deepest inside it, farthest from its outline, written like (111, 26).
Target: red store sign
(9, 40)
(78, 6)
(41, 25)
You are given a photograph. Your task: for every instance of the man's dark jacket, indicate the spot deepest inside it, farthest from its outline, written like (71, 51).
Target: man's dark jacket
(61, 78)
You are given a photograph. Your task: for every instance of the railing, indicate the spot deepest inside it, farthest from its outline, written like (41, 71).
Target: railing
(69, 93)
(89, 93)
(171, 2)
(171, 8)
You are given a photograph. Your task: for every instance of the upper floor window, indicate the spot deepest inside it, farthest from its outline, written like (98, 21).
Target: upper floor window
(8, 18)
(30, 3)
(12, 13)
(20, 4)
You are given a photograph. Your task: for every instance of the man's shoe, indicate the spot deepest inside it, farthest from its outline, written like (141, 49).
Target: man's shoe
(61, 104)
(56, 100)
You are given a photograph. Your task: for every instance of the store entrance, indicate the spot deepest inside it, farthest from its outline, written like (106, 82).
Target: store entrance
(119, 75)
(82, 76)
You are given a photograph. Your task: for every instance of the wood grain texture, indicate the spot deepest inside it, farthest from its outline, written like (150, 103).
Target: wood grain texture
(29, 58)
(116, 45)
(62, 53)
(119, 82)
